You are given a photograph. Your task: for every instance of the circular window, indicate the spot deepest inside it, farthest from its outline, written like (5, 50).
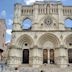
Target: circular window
(41, 24)
(26, 44)
(70, 44)
(54, 24)
(48, 21)
(27, 24)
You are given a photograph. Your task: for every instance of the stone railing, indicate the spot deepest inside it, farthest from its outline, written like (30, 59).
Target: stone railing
(67, 11)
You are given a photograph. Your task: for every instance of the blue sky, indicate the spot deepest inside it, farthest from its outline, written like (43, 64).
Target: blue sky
(7, 11)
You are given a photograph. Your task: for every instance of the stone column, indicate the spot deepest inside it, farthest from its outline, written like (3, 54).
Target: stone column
(60, 16)
(61, 57)
(35, 17)
(0, 56)
(15, 57)
(48, 56)
(30, 56)
(35, 12)
(37, 57)
(17, 17)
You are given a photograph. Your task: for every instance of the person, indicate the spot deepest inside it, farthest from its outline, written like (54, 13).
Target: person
(16, 69)
(42, 71)
(1, 59)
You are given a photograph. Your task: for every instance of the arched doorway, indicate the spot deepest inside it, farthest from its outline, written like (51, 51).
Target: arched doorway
(48, 42)
(68, 44)
(25, 42)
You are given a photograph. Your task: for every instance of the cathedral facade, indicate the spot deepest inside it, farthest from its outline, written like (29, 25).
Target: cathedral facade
(47, 41)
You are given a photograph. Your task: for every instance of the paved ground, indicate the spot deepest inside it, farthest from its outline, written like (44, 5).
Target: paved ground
(42, 69)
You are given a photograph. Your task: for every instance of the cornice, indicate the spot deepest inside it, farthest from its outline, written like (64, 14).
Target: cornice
(41, 30)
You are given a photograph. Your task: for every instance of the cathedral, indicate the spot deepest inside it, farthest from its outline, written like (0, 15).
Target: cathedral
(46, 42)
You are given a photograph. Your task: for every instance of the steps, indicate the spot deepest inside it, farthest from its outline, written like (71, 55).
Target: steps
(25, 65)
(47, 68)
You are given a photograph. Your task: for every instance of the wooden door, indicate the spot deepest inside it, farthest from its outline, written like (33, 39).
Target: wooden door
(70, 55)
(51, 56)
(26, 56)
(45, 56)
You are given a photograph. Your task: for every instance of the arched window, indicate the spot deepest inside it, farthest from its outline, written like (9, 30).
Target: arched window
(27, 24)
(68, 23)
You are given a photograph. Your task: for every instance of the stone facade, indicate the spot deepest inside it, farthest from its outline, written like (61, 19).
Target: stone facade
(47, 33)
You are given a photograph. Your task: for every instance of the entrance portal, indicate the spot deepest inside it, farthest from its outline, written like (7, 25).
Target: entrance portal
(48, 56)
(25, 56)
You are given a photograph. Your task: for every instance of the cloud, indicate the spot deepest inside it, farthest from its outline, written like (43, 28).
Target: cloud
(8, 31)
(31, 1)
(10, 21)
(7, 41)
(3, 14)
(28, 2)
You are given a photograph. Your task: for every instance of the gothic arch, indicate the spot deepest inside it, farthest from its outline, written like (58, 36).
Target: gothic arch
(68, 41)
(49, 40)
(29, 17)
(68, 17)
(27, 23)
(25, 40)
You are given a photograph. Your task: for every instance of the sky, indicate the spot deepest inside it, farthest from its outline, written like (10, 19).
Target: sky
(7, 12)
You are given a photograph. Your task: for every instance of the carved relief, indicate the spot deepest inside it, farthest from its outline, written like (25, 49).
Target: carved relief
(48, 21)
